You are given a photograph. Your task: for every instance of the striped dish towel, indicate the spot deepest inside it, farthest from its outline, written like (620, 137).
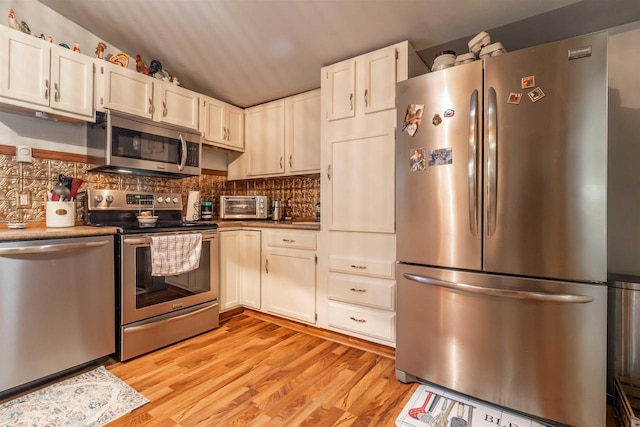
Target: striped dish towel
(175, 253)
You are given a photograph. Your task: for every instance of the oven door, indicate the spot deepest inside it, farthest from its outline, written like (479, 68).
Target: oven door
(144, 296)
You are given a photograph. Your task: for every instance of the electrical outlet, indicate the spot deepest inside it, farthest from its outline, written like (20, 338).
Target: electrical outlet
(24, 200)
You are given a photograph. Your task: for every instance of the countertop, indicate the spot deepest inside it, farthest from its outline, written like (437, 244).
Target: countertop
(40, 232)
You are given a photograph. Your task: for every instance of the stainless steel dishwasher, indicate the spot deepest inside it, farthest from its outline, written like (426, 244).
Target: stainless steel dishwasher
(57, 306)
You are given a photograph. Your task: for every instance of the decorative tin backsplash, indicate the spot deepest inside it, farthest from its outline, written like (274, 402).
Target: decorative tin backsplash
(299, 194)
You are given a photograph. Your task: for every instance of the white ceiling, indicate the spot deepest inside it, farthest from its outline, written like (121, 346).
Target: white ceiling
(251, 51)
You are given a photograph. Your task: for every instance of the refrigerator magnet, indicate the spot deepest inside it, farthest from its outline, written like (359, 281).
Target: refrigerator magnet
(527, 82)
(417, 161)
(514, 98)
(412, 119)
(536, 94)
(436, 119)
(449, 113)
(443, 156)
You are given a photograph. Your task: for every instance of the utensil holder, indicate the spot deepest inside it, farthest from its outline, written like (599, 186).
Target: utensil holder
(60, 214)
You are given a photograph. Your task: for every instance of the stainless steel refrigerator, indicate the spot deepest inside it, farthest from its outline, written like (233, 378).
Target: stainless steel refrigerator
(501, 169)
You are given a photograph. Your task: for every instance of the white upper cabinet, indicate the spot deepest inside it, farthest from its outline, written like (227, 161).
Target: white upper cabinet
(281, 138)
(264, 139)
(44, 77)
(128, 91)
(222, 124)
(361, 86)
(302, 133)
(124, 90)
(177, 106)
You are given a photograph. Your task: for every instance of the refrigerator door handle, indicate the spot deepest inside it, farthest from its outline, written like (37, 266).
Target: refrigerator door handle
(504, 293)
(492, 171)
(473, 156)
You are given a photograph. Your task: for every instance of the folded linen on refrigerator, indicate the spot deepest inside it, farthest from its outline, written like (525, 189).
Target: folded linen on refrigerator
(174, 254)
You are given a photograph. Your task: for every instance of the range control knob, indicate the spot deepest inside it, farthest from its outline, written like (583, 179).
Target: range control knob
(160, 200)
(167, 200)
(109, 198)
(175, 200)
(98, 198)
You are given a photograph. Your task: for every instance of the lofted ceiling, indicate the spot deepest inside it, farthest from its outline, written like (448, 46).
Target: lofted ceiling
(247, 52)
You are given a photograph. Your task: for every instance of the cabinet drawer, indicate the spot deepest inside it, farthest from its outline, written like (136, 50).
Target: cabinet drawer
(377, 293)
(363, 266)
(367, 321)
(292, 239)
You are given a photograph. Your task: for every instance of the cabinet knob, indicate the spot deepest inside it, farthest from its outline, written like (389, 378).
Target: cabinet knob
(280, 162)
(357, 320)
(290, 160)
(56, 96)
(266, 266)
(366, 101)
(46, 89)
(359, 267)
(358, 290)
(150, 106)
(329, 172)
(351, 101)
(164, 109)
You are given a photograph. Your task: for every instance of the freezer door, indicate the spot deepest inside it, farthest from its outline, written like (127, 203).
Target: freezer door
(546, 160)
(538, 347)
(438, 173)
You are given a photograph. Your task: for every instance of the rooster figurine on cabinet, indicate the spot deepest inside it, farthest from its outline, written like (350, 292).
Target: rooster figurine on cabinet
(141, 67)
(18, 25)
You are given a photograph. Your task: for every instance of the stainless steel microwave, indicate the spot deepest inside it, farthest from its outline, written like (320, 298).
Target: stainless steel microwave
(244, 207)
(123, 144)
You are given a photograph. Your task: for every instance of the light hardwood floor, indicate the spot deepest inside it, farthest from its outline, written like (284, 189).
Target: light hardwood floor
(260, 371)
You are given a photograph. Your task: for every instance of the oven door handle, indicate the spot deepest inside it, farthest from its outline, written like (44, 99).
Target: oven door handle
(170, 320)
(50, 248)
(146, 241)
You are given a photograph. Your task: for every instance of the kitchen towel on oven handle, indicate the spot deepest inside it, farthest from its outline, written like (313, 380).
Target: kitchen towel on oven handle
(174, 254)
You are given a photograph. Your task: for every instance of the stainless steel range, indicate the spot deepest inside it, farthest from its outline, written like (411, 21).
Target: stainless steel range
(153, 311)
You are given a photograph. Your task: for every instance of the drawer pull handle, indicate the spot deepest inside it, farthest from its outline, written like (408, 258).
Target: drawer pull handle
(357, 320)
(288, 240)
(358, 290)
(359, 267)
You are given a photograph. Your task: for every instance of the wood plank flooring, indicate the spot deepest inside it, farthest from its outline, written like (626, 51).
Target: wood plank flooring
(255, 372)
(260, 370)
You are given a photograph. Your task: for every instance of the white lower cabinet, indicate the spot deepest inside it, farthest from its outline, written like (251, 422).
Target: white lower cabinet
(289, 280)
(240, 268)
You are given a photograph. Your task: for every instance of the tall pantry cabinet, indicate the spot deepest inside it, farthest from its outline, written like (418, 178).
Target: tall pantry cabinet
(356, 278)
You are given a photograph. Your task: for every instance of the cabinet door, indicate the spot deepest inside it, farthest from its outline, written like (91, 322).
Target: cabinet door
(179, 106)
(25, 64)
(341, 82)
(235, 128)
(379, 78)
(289, 284)
(127, 91)
(214, 120)
(302, 120)
(265, 139)
(230, 269)
(361, 178)
(71, 81)
(250, 284)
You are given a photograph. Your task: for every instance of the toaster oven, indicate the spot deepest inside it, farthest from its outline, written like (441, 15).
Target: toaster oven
(244, 207)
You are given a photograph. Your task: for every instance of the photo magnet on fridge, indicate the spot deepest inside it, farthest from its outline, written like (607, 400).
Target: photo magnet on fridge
(536, 94)
(514, 98)
(417, 160)
(527, 82)
(443, 156)
(412, 119)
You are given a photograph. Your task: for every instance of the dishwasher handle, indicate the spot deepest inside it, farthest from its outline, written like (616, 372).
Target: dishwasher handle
(505, 293)
(51, 248)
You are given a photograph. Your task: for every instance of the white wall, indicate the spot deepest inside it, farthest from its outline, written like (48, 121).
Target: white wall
(624, 150)
(18, 129)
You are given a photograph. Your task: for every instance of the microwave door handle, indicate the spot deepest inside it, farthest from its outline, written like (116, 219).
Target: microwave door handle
(182, 154)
